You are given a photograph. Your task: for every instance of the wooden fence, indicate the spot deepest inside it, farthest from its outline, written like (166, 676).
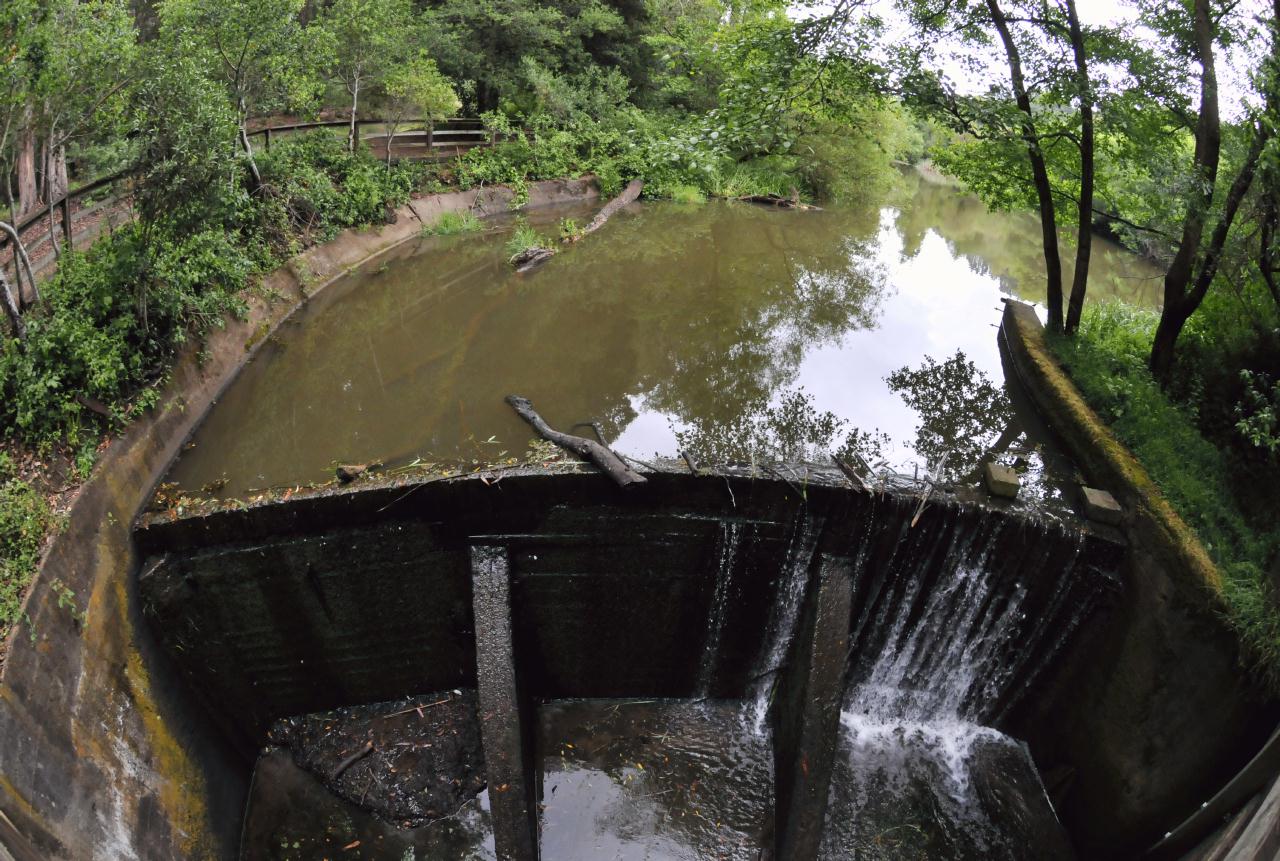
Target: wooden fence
(428, 141)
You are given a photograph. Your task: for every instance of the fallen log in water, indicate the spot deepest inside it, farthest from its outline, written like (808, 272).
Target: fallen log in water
(628, 195)
(792, 202)
(532, 257)
(587, 449)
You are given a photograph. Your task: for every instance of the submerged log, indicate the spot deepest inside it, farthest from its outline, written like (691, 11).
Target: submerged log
(792, 202)
(587, 449)
(629, 195)
(533, 257)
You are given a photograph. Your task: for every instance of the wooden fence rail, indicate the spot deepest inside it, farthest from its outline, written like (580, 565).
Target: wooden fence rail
(457, 132)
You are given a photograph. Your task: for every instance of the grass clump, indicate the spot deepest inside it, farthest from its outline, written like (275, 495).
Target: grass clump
(1202, 478)
(25, 518)
(523, 238)
(453, 223)
(688, 194)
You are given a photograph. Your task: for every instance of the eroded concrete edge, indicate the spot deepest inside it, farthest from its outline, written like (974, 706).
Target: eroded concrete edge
(1160, 713)
(96, 758)
(1106, 461)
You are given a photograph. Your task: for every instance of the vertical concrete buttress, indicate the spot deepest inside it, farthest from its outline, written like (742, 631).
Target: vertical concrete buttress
(501, 731)
(818, 682)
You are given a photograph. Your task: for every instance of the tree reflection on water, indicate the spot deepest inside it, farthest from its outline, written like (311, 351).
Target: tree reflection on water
(964, 418)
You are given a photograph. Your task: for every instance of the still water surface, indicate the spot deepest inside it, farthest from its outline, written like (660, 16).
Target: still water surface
(730, 331)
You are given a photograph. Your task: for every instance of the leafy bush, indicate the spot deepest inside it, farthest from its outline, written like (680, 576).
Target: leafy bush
(1107, 360)
(24, 520)
(315, 186)
(113, 316)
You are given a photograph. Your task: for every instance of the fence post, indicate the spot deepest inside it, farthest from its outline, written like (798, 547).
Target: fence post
(66, 218)
(431, 137)
(266, 144)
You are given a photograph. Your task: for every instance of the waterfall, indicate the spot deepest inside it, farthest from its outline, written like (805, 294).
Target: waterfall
(730, 539)
(958, 624)
(785, 614)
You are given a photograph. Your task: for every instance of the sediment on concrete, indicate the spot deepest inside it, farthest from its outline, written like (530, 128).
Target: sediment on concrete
(104, 755)
(1157, 713)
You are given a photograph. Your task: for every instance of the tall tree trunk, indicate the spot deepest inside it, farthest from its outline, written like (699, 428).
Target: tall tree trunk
(60, 183)
(11, 308)
(49, 196)
(1039, 172)
(1205, 173)
(1084, 229)
(255, 175)
(355, 104)
(28, 191)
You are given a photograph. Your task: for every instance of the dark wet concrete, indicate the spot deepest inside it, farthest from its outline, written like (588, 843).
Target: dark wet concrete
(293, 817)
(409, 761)
(646, 780)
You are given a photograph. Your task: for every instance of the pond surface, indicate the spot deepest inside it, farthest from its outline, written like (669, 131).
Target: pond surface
(729, 331)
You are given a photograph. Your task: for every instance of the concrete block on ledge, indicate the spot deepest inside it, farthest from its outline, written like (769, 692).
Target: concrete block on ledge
(1101, 506)
(1001, 480)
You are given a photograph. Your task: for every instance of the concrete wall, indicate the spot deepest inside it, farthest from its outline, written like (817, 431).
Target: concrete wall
(102, 754)
(1156, 714)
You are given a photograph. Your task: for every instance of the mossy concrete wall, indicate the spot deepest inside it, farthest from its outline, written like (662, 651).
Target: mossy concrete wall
(101, 754)
(1158, 713)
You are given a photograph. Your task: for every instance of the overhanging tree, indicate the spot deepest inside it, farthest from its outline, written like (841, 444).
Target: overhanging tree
(257, 49)
(365, 40)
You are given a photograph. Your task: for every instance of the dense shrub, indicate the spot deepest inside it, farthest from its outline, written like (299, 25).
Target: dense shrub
(112, 317)
(24, 520)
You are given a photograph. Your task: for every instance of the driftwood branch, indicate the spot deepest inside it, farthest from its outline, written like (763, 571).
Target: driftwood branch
(537, 255)
(587, 449)
(629, 195)
(792, 202)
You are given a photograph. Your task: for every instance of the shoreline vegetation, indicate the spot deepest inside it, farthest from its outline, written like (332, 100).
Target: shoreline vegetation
(699, 100)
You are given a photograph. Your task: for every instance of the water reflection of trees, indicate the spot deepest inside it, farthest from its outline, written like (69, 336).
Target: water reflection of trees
(964, 418)
(1006, 245)
(962, 412)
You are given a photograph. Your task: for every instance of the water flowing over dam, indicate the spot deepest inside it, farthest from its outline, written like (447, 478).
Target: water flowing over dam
(687, 669)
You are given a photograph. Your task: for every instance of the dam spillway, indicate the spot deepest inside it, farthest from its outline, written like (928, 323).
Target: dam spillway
(741, 633)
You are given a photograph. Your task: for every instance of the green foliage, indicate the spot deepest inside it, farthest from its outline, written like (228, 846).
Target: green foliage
(1203, 481)
(416, 86)
(453, 223)
(523, 238)
(25, 519)
(1259, 413)
(257, 49)
(313, 186)
(688, 194)
(113, 316)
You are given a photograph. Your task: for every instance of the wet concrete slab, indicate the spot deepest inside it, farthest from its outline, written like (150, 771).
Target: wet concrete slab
(292, 817)
(642, 780)
(408, 761)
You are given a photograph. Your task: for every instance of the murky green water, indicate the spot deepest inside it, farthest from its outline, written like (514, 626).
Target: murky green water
(731, 331)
